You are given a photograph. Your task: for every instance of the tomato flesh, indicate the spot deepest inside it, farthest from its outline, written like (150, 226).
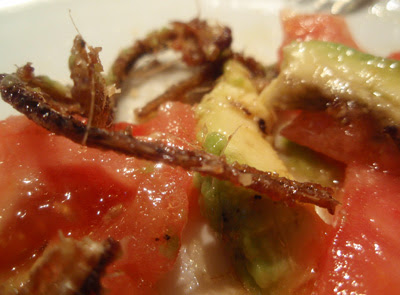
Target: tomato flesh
(174, 119)
(323, 27)
(395, 55)
(365, 253)
(355, 141)
(50, 184)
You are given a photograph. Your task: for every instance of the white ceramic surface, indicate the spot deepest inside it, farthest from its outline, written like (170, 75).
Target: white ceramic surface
(41, 31)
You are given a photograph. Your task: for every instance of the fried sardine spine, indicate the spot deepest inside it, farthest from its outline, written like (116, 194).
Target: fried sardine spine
(31, 104)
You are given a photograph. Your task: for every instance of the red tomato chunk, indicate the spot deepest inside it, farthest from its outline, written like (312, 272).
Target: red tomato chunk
(323, 27)
(353, 142)
(395, 55)
(50, 184)
(365, 253)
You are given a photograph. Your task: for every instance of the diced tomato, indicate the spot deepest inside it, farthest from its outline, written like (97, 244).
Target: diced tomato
(173, 119)
(151, 244)
(365, 253)
(356, 141)
(395, 55)
(50, 184)
(324, 27)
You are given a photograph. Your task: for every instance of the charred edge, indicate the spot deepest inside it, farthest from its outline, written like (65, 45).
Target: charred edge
(225, 39)
(30, 104)
(265, 183)
(82, 42)
(283, 189)
(92, 284)
(262, 125)
(393, 132)
(225, 219)
(346, 113)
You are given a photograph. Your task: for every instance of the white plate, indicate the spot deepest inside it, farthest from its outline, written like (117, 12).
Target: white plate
(42, 31)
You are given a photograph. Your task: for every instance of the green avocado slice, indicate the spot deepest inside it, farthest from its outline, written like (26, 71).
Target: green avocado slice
(316, 73)
(269, 242)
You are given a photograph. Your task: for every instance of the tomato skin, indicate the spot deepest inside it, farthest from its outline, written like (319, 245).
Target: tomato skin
(355, 141)
(151, 245)
(175, 119)
(395, 55)
(323, 27)
(51, 184)
(365, 253)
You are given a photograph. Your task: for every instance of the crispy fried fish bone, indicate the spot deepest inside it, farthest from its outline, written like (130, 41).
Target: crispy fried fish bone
(31, 103)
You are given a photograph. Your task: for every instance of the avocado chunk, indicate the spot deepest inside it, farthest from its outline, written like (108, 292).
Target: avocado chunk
(307, 165)
(269, 241)
(233, 109)
(315, 73)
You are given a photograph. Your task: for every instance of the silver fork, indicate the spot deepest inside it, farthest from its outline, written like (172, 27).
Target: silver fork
(342, 6)
(336, 6)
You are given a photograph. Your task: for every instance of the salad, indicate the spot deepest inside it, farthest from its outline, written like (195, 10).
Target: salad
(293, 166)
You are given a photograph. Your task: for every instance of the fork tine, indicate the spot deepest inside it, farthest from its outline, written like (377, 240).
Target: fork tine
(346, 6)
(320, 5)
(334, 6)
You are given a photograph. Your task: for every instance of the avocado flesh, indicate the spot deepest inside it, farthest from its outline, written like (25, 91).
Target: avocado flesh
(266, 239)
(225, 111)
(307, 165)
(270, 242)
(316, 72)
